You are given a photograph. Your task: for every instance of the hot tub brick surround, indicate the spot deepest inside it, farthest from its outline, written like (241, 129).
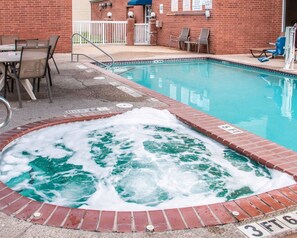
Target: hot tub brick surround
(58, 216)
(259, 149)
(90, 220)
(106, 223)
(232, 206)
(190, 217)
(26, 213)
(14, 204)
(124, 222)
(175, 219)
(263, 207)
(221, 213)
(207, 217)
(74, 218)
(46, 210)
(140, 221)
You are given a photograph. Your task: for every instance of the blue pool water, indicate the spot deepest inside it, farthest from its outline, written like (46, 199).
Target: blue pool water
(260, 101)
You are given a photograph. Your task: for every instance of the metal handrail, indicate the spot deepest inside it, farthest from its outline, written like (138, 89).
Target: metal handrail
(105, 65)
(8, 110)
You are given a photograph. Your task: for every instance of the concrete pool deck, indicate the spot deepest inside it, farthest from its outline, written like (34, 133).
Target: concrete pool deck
(75, 90)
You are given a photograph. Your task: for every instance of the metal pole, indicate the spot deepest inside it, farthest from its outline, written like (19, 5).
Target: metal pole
(8, 112)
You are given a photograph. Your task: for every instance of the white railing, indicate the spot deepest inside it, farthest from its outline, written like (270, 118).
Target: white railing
(100, 32)
(141, 34)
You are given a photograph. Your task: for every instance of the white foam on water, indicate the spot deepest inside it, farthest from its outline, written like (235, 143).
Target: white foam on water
(148, 180)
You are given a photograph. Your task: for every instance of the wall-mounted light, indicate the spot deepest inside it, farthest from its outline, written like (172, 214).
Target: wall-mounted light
(130, 14)
(207, 13)
(153, 14)
(109, 14)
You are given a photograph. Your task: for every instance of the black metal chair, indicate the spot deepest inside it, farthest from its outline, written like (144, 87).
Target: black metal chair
(33, 64)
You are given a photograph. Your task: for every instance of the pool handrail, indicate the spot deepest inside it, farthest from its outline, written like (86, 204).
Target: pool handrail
(77, 54)
(8, 112)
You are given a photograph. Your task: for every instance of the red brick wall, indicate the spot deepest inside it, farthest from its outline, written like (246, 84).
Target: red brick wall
(235, 25)
(38, 19)
(118, 10)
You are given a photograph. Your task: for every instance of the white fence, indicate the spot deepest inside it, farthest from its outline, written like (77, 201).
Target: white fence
(100, 32)
(142, 34)
(109, 32)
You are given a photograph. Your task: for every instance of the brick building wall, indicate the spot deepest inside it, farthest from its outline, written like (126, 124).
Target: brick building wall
(38, 19)
(81, 10)
(119, 10)
(235, 25)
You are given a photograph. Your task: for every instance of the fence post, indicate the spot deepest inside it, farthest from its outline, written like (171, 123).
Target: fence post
(108, 30)
(130, 31)
(80, 33)
(89, 35)
(153, 31)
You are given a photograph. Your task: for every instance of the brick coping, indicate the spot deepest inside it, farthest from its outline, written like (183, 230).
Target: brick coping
(266, 152)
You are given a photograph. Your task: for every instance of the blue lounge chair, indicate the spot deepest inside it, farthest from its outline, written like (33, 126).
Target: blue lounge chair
(279, 49)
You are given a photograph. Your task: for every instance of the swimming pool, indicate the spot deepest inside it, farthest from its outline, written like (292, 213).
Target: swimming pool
(259, 101)
(255, 147)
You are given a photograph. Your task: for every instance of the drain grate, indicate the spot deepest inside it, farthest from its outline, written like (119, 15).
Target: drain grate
(99, 78)
(124, 105)
(81, 66)
(114, 83)
(87, 110)
(153, 100)
(129, 91)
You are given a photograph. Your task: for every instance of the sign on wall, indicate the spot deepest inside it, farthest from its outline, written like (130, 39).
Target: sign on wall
(197, 5)
(174, 5)
(208, 4)
(161, 7)
(186, 5)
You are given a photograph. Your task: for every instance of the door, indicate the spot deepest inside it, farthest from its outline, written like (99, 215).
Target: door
(290, 14)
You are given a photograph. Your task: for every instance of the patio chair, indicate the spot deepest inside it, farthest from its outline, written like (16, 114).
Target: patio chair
(203, 39)
(258, 52)
(19, 43)
(279, 49)
(33, 64)
(6, 40)
(53, 40)
(181, 39)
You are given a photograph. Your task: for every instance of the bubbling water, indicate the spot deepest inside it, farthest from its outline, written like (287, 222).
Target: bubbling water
(141, 160)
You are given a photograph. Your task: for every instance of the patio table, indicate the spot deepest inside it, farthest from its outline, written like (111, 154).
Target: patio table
(13, 57)
(189, 44)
